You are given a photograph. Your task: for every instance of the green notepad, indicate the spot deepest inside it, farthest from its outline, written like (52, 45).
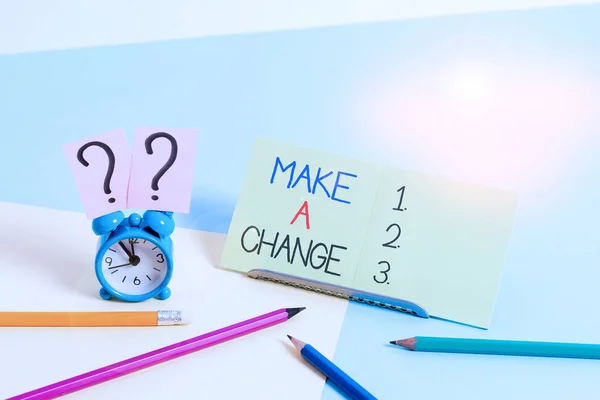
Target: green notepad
(402, 234)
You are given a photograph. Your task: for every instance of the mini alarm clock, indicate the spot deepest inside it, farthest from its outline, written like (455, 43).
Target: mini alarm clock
(134, 255)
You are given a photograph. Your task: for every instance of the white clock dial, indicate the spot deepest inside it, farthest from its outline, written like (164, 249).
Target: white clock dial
(134, 266)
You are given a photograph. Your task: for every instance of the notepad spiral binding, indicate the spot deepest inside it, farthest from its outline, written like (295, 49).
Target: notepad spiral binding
(342, 292)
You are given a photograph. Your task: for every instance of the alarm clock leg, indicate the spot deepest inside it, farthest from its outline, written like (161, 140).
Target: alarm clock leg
(165, 294)
(104, 294)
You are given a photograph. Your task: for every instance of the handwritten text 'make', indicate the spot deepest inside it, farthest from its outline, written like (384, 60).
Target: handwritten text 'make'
(321, 182)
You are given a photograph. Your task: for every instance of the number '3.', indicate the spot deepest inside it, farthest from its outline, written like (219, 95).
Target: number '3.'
(383, 272)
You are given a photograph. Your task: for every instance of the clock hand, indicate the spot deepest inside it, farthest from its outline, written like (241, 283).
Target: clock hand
(132, 250)
(117, 266)
(125, 249)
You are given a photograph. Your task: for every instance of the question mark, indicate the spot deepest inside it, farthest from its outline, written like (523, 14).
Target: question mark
(169, 162)
(111, 164)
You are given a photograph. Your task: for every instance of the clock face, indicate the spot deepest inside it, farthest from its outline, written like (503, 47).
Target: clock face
(134, 266)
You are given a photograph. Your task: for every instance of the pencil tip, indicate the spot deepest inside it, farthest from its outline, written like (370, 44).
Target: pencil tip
(298, 344)
(392, 342)
(293, 311)
(409, 343)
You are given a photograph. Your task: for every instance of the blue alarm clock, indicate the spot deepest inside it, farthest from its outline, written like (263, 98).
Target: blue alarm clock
(134, 260)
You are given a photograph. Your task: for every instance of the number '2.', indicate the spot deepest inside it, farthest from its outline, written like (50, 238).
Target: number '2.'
(389, 244)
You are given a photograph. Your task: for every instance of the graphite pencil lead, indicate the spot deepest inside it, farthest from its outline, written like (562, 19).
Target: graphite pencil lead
(289, 337)
(393, 342)
(293, 311)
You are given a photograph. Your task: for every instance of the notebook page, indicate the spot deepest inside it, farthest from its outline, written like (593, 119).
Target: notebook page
(438, 243)
(301, 212)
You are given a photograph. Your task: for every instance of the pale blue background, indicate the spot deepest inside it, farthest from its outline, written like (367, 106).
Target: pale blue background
(295, 86)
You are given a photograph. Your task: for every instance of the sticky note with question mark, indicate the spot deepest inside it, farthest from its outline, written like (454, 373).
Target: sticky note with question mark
(100, 166)
(162, 170)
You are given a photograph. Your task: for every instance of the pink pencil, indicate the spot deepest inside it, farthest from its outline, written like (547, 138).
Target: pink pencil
(160, 355)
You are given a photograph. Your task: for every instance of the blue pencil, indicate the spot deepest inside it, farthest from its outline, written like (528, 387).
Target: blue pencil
(331, 371)
(500, 347)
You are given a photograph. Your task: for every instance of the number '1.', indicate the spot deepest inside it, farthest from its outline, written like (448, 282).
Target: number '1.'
(399, 207)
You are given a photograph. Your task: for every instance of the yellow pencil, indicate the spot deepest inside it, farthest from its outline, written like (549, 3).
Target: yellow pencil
(92, 319)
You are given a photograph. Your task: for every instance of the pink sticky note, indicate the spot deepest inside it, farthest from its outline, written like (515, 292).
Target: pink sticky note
(162, 170)
(100, 166)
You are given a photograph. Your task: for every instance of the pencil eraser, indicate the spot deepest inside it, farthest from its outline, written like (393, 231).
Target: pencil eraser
(171, 317)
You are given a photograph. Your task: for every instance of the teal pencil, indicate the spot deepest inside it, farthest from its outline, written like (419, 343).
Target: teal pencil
(500, 347)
